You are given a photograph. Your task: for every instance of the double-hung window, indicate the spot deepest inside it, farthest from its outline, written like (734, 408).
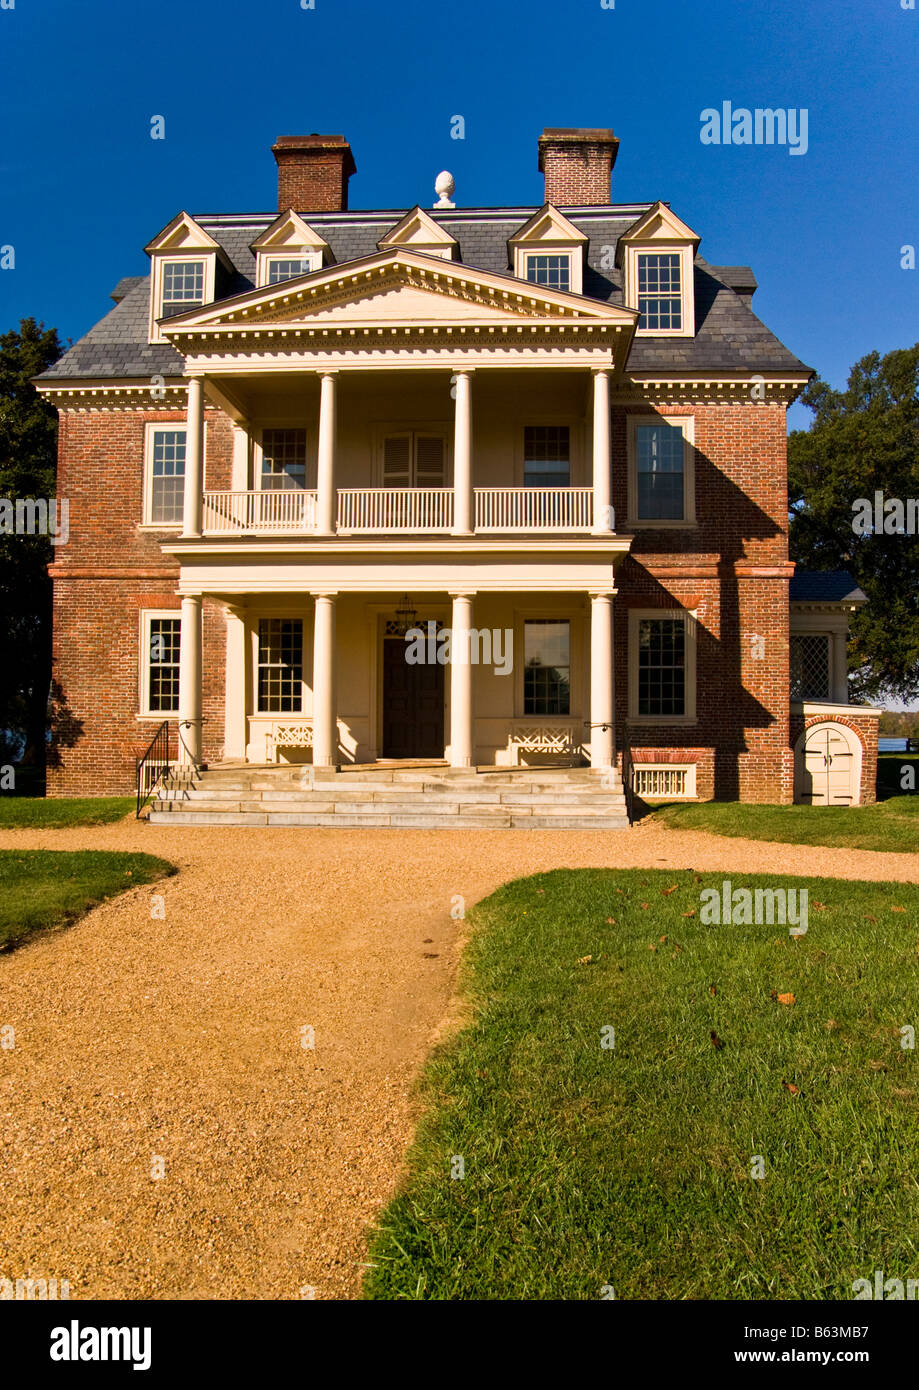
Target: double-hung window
(662, 666)
(165, 467)
(281, 268)
(161, 643)
(547, 667)
(660, 300)
(661, 470)
(546, 456)
(183, 287)
(553, 271)
(283, 459)
(280, 665)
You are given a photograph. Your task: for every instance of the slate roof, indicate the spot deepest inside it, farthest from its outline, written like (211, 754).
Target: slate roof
(824, 586)
(729, 336)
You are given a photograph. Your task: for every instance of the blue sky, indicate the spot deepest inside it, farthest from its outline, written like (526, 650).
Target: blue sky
(83, 187)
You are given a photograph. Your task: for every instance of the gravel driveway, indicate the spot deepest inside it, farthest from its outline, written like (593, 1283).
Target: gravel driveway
(175, 1045)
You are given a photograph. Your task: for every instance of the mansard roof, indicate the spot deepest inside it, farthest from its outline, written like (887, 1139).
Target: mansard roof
(729, 336)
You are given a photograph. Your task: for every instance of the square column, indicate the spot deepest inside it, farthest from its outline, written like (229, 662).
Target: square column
(463, 499)
(237, 683)
(601, 679)
(193, 499)
(325, 721)
(461, 682)
(603, 512)
(326, 501)
(190, 682)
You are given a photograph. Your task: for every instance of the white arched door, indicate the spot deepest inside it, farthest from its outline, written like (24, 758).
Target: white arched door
(828, 765)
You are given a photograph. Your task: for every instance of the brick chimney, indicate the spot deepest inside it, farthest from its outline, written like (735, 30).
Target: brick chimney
(313, 172)
(578, 165)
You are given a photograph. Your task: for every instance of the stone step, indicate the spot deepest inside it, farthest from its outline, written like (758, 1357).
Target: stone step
(288, 800)
(406, 821)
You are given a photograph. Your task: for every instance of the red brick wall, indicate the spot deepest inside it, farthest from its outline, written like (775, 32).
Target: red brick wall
(731, 569)
(104, 576)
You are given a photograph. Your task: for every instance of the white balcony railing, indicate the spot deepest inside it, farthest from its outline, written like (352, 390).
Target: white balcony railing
(533, 508)
(266, 511)
(388, 510)
(378, 510)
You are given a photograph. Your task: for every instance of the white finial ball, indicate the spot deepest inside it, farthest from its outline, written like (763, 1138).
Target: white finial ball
(444, 184)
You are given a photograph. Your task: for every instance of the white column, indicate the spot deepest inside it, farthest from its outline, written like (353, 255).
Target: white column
(325, 723)
(239, 478)
(194, 472)
(190, 682)
(601, 461)
(601, 679)
(237, 684)
(463, 501)
(326, 501)
(461, 682)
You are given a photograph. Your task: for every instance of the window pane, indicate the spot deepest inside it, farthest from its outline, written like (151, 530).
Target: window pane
(810, 667)
(659, 291)
(283, 458)
(547, 667)
(659, 453)
(183, 286)
(552, 271)
(282, 268)
(163, 665)
(662, 666)
(280, 665)
(167, 483)
(546, 456)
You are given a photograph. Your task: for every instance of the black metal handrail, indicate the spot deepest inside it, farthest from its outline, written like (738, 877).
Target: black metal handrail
(153, 766)
(628, 774)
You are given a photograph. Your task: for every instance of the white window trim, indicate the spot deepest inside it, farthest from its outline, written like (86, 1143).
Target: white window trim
(579, 474)
(691, 623)
(306, 695)
(263, 260)
(686, 253)
(143, 689)
(150, 428)
(158, 259)
(577, 656)
(575, 267)
(687, 424)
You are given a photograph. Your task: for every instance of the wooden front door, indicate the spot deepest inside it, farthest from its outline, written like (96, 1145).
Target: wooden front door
(413, 705)
(827, 767)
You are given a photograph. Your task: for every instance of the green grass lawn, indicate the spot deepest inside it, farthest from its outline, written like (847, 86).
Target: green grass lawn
(888, 825)
(588, 1167)
(55, 813)
(50, 888)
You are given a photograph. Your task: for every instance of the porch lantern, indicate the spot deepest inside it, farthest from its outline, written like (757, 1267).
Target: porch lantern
(406, 616)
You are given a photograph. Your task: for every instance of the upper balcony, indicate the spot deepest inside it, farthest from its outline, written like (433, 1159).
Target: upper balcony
(383, 511)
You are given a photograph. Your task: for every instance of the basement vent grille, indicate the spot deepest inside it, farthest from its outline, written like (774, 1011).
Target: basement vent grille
(665, 780)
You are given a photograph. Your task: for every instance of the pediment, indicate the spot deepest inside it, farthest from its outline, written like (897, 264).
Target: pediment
(660, 224)
(419, 232)
(548, 225)
(397, 288)
(290, 232)
(183, 233)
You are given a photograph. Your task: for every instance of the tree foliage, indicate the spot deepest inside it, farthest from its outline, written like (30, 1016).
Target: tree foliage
(864, 440)
(28, 436)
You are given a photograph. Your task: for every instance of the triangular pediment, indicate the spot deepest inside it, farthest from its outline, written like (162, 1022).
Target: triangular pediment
(548, 225)
(419, 232)
(660, 224)
(289, 232)
(183, 233)
(400, 289)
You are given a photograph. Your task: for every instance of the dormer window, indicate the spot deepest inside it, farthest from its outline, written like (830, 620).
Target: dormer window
(418, 232)
(183, 271)
(660, 300)
(549, 251)
(287, 249)
(657, 255)
(553, 271)
(183, 287)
